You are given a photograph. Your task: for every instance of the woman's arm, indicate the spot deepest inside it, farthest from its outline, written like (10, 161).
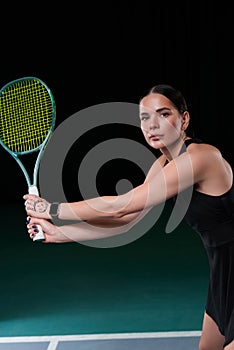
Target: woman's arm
(67, 233)
(42, 210)
(176, 176)
(82, 231)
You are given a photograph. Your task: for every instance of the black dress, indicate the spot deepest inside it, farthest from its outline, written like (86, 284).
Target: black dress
(212, 217)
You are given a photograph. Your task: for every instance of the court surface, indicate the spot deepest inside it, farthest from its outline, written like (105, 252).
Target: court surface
(149, 341)
(149, 294)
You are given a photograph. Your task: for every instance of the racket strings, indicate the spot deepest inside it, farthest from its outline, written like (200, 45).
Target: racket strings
(26, 114)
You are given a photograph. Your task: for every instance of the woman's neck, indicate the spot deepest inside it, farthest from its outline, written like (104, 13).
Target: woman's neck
(172, 151)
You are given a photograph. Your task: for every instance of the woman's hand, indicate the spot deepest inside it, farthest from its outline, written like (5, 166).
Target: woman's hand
(53, 234)
(36, 206)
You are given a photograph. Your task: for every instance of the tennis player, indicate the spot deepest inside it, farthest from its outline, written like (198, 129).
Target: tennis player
(186, 163)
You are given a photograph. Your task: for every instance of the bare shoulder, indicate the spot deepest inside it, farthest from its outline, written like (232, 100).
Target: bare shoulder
(213, 174)
(202, 147)
(204, 151)
(207, 158)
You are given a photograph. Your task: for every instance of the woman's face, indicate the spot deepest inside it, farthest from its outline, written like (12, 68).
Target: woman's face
(161, 122)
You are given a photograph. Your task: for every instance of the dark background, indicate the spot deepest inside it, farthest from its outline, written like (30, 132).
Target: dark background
(90, 53)
(95, 53)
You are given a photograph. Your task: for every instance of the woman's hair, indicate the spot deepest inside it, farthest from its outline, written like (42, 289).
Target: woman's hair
(176, 97)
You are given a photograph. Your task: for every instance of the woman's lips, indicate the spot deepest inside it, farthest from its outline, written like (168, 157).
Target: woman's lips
(155, 137)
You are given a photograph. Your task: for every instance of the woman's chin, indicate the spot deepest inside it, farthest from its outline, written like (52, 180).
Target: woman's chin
(156, 144)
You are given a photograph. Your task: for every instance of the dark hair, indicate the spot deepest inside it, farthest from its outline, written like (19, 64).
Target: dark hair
(176, 97)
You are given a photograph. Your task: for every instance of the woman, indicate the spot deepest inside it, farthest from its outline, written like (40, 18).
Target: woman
(185, 163)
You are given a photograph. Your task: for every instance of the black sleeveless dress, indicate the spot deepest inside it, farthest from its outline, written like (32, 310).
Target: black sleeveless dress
(212, 217)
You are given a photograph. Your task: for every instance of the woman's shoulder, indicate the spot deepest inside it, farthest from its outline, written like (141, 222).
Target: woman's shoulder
(210, 167)
(202, 148)
(203, 155)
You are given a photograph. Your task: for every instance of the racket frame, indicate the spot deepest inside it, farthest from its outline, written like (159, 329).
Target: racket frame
(32, 184)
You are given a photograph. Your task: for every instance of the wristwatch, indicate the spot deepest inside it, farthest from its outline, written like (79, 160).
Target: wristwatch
(54, 209)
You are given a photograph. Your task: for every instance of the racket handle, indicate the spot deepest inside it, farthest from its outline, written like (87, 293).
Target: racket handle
(40, 235)
(33, 190)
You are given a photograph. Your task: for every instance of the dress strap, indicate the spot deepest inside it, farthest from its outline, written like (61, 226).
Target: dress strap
(188, 142)
(192, 140)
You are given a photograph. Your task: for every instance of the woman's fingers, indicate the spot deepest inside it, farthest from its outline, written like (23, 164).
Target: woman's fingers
(32, 226)
(36, 206)
(51, 232)
(28, 196)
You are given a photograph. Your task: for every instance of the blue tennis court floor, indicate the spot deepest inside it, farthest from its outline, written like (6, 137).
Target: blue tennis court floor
(125, 341)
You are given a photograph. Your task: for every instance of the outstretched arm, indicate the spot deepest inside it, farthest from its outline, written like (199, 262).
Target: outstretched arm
(82, 231)
(39, 207)
(176, 176)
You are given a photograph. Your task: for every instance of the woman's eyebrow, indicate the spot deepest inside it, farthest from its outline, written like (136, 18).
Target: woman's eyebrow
(157, 110)
(161, 109)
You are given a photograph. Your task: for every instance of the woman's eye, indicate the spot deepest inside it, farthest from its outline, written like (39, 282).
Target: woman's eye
(164, 115)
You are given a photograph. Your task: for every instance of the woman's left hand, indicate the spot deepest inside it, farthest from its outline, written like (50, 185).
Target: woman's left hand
(36, 206)
(52, 233)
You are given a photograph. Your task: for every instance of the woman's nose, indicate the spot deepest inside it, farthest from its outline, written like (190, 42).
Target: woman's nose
(154, 123)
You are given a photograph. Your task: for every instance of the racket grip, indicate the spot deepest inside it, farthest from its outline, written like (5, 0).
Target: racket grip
(40, 235)
(33, 190)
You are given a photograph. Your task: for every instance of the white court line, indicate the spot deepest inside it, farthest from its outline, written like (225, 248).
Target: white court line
(54, 339)
(53, 345)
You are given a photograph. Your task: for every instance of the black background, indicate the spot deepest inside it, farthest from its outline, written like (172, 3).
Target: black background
(90, 53)
(94, 53)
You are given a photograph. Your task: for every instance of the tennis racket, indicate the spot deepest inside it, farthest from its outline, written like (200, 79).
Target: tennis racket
(27, 119)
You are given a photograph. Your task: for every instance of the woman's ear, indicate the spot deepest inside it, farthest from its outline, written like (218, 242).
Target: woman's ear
(185, 120)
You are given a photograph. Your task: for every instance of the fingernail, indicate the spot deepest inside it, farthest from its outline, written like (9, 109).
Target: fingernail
(34, 226)
(32, 234)
(35, 230)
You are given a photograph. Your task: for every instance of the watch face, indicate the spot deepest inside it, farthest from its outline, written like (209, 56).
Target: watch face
(54, 209)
